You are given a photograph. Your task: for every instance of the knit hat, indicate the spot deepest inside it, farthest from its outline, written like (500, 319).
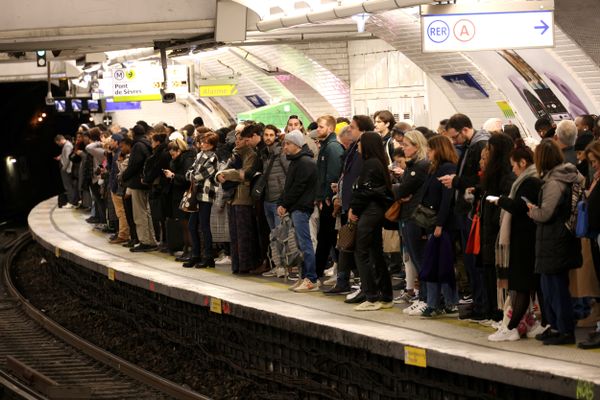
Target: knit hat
(582, 141)
(117, 137)
(295, 137)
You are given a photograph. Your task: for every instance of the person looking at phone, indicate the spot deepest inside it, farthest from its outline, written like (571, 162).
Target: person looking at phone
(557, 250)
(496, 180)
(517, 232)
(460, 130)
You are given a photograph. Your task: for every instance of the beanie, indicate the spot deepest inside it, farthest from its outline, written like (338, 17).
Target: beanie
(295, 137)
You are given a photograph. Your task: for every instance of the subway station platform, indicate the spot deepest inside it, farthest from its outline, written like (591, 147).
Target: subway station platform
(445, 343)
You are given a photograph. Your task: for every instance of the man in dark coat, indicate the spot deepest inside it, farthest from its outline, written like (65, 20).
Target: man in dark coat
(460, 130)
(132, 177)
(329, 166)
(298, 200)
(351, 168)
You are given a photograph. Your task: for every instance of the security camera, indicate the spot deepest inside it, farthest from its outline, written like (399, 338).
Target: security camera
(49, 101)
(167, 97)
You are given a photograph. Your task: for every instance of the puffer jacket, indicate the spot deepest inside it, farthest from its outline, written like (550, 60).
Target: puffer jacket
(276, 178)
(556, 248)
(301, 183)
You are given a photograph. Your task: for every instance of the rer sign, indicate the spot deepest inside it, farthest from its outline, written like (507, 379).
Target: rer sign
(448, 28)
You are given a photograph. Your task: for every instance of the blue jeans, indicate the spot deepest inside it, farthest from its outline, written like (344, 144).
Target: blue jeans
(271, 214)
(200, 223)
(300, 219)
(412, 237)
(434, 289)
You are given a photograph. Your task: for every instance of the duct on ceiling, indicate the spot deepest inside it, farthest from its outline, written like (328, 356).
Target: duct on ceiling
(343, 11)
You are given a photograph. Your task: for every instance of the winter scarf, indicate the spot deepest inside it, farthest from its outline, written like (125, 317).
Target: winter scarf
(503, 240)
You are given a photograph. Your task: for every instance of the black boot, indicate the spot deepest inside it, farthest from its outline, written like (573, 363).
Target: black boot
(185, 256)
(206, 263)
(192, 262)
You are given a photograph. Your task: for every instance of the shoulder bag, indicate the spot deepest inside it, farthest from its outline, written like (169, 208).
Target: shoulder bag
(189, 202)
(259, 186)
(347, 237)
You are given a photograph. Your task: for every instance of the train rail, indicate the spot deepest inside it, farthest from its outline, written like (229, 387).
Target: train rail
(40, 359)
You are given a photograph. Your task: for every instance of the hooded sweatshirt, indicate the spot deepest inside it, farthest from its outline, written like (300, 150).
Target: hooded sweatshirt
(300, 183)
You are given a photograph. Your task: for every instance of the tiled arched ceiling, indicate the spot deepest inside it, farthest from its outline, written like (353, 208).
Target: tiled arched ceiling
(327, 85)
(316, 88)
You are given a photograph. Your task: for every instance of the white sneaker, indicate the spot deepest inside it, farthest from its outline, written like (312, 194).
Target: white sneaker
(308, 286)
(418, 311)
(295, 285)
(331, 281)
(504, 335)
(270, 273)
(536, 329)
(280, 272)
(404, 298)
(353, 294)
(368, 306)
(331, 271)
(411, 307)
(68, 206)
(224, 260)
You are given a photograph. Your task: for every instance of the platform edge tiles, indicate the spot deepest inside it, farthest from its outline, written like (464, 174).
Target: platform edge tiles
(258, 302)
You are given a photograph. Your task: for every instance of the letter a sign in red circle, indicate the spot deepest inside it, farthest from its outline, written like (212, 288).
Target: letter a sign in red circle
(464, 30)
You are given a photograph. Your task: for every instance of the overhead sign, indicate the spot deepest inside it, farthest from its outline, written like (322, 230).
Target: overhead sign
(446, 28)
(224, 90)
(143, 82)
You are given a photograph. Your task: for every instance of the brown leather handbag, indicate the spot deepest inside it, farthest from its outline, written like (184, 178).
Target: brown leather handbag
(393, 213)
(347, 237)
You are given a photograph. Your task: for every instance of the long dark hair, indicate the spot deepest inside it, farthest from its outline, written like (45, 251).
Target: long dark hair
(500, 147)
(372, 147)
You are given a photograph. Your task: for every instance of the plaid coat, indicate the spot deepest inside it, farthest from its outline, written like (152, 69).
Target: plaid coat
(203, 173)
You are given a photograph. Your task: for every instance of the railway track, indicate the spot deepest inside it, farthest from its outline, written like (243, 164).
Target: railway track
(41, 360)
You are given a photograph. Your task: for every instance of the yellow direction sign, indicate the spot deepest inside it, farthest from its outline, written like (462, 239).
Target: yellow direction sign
(218, 90)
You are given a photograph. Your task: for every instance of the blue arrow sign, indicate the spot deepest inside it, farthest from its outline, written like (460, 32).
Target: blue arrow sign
(544, 27)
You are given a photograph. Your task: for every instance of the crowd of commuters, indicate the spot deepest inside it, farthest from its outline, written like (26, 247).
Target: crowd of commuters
(482, 228)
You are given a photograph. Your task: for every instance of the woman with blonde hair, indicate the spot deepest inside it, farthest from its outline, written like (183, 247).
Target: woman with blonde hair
(410, 190)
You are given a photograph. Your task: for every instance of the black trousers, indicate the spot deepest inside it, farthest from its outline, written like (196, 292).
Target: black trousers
(368, 253)
(128, 205)
(99, 203)
(326, 238)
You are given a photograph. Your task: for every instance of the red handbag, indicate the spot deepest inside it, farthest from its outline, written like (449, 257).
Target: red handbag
(474, 242)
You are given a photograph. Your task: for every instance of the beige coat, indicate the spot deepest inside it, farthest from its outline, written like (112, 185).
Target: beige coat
(242, 192)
